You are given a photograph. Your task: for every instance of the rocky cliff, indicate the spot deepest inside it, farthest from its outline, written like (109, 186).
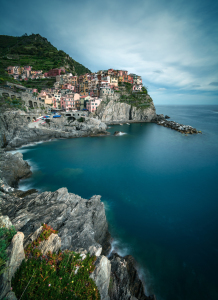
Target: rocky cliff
(14, 130)
(115, 112)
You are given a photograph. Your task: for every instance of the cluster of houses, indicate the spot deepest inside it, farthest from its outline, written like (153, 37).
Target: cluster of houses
(26, 73)
(83, 92)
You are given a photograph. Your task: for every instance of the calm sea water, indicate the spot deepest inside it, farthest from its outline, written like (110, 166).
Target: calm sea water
(160, 189)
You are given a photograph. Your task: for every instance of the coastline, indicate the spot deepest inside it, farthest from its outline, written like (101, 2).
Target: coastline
(130, 274)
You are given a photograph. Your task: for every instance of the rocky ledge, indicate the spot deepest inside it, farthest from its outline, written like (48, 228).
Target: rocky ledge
(187, 129)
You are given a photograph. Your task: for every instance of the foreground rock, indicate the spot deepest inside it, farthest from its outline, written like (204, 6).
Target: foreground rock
(80, 223)
(13, 168)
(187, 129)
(14, 130)
(115, 112)
(16, 255)
(125, 283)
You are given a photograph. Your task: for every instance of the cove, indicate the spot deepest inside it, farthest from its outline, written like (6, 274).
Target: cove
(160, 192)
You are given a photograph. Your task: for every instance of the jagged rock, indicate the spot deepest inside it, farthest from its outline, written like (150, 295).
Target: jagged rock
(80, 223)
(101, 276)
(125, 283)
(5, 222)
(167, 117)
(16, 255)
(13, 168)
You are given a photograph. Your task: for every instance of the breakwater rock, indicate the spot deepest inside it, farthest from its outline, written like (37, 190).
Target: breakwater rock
(187, 129)
(15, 132)
(115, 112)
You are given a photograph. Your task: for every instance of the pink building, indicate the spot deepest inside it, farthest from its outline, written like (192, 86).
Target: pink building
(35, 91)
(68, 102)
(93, 103)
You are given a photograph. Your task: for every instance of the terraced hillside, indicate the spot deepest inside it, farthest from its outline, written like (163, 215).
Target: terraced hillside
(36, 51)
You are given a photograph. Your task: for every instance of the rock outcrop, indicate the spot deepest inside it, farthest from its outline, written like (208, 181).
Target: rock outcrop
(13, 168)
(115, 112)
(125, 283)
(80, 223)
(14, 130)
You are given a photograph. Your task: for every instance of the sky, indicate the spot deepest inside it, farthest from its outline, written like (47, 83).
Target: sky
(172, 44)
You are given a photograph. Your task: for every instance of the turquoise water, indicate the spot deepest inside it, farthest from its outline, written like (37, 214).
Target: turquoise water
(160, 189)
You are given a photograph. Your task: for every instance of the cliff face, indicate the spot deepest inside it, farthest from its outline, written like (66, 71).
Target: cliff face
(122, 112)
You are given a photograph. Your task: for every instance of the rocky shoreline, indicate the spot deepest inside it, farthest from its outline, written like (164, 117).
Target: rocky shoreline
(81, 224)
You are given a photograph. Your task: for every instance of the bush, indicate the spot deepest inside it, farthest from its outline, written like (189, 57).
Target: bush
(6, 236)
(54, 276)
(81, 119)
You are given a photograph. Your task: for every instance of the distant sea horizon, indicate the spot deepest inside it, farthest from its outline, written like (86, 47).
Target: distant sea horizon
(160, 191)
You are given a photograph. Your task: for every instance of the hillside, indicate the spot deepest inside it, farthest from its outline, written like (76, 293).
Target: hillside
(36, 51)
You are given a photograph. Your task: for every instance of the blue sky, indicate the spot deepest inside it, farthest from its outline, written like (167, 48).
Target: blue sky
(173, 45)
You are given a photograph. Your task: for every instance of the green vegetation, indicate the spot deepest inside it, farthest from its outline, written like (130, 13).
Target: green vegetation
(54, 276)
(138, 99)
(14, 103)
(34, 50)
(6, 236)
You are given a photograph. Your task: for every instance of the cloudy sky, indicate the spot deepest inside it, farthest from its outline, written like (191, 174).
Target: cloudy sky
(172, 44)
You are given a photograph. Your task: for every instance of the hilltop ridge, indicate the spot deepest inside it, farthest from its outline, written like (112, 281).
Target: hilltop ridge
(36, 51)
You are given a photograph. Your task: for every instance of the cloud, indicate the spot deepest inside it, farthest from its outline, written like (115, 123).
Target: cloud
(161, 89)
(214, 83)
(169, 43)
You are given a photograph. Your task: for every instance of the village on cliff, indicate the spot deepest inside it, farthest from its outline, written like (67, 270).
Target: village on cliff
(84, 92)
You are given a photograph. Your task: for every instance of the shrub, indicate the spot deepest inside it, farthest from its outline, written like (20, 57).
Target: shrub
(81, 119)
(54, 276)
(6, 236)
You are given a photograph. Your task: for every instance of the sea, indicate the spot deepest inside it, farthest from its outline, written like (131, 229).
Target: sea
(160, 191)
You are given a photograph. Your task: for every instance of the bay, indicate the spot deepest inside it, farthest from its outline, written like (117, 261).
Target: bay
(160, 191)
